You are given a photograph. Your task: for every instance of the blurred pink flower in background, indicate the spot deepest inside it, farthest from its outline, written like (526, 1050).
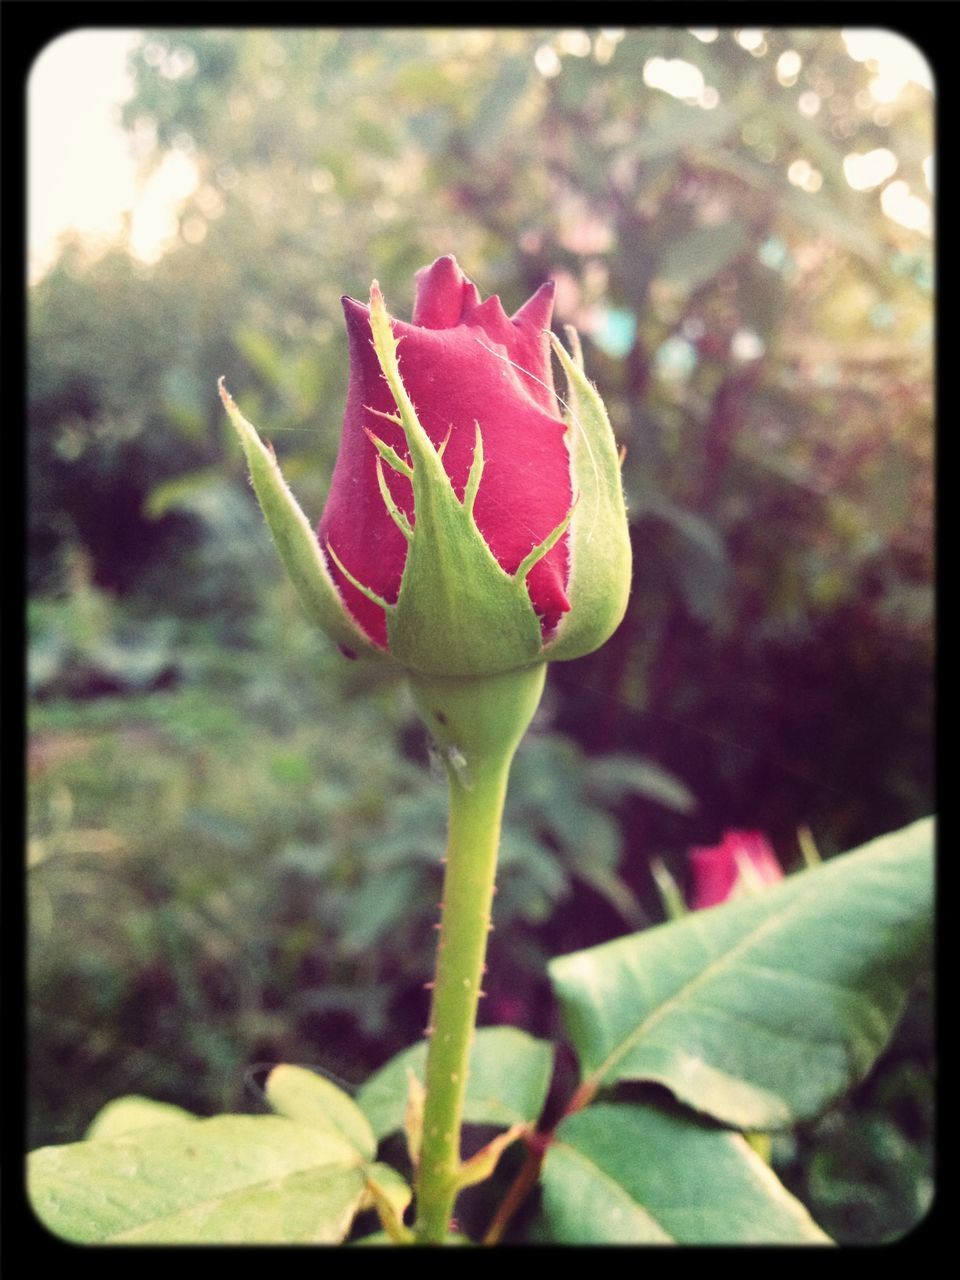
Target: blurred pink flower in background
(743, 861)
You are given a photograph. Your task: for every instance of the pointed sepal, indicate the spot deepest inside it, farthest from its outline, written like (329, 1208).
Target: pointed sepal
(599, 538)
(458, 612)
(296, 541)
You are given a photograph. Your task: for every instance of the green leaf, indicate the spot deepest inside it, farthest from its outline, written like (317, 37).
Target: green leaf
(374, 910)
(226, 1180)
(179, 492)
(761, 1011)
(390, 1195)
(125, 1115)
(310, 1098)
(509, 1077)
(702, 254)
(611, 777)
(620, 1174)
(702, 565)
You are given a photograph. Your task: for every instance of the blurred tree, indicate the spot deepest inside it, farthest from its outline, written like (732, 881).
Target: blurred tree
(759, 328)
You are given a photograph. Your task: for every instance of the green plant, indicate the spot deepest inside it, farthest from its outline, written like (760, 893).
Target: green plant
(754, 1015)
(788, 997)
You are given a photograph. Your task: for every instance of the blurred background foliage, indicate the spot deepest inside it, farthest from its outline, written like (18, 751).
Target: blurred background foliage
(234, 833)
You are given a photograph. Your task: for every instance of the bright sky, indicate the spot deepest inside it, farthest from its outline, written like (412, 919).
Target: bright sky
(82, 174)
(81, 169)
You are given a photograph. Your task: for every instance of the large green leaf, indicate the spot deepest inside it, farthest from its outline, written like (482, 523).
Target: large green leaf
(621, 1174)
(761, 1011)
(226, 1180)
(508, 1081)
(124, 1115)
(311, 1099)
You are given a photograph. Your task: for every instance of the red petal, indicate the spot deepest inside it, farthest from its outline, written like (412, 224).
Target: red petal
(462, 362)
(442, 292)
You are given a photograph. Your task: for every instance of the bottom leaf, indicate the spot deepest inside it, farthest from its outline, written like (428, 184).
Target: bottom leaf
(624, 1174)
(227, 1180)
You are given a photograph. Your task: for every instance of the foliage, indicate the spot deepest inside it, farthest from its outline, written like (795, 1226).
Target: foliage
(614, 1172)
(251, 855)
(817, 968)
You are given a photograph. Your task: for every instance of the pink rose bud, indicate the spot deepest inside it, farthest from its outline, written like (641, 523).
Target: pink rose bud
(462, 362)
(475, 522)
(743, 862)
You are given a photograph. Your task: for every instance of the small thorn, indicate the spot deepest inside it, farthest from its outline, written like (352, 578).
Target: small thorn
(270, 449)
(481, 994)
(390, 417)
(484, 969)
(440, 905)
(494, 888)
(428, 1032)
(438, 925)
(428, 986)
(622, 454)
(443, 861)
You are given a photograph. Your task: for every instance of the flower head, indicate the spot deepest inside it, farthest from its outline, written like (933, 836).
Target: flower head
(742, 862)
(475, 521)
(462, 362)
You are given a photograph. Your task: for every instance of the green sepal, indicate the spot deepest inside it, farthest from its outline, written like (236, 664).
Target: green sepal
(296, 541)
(458, 612)
(599, 539)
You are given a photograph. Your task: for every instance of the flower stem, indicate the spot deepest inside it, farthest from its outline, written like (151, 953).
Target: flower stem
(478, 723)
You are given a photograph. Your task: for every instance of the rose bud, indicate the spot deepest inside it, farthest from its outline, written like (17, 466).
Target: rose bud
(470, 529)
(743, 862)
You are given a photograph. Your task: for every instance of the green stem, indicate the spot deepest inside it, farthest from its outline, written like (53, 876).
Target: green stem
(478, 723)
